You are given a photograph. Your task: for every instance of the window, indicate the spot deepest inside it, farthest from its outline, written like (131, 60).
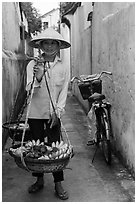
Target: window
(45, 25)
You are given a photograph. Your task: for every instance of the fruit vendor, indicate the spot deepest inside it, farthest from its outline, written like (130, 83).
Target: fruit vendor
(49, 97)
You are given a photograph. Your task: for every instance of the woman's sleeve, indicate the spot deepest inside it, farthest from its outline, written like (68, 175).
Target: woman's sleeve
(63, 93)
(30, 76)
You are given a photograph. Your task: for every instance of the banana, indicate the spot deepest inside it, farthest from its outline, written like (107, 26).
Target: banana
(45, 139)
(49, 148)
(61, 156)
(64, 150)
(57, 144)
(64, 155)
(68, 151)
(61, 143)
(13, 150)
(38, 142)
(42, 157)
(22, 124)
(64, 146)
(18, 152)
(50, 156)
(53, 144)
(60, 151)
(70, 147)
(46, 157)
(33, 142)
(57, 153)
(29, 144)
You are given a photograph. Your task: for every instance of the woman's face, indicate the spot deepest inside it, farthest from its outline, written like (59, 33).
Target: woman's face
(50, 46)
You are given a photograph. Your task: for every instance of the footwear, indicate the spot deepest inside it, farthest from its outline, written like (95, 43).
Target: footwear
(91, 142)
(60, 192)
(62, 196)
(34, 188)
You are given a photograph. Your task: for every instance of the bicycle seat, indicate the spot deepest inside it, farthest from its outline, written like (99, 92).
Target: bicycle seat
(96, 97)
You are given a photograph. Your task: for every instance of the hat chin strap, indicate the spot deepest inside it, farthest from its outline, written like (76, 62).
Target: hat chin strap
(50, 56)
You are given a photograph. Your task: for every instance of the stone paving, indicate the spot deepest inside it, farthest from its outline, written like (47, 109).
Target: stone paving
(84, 181)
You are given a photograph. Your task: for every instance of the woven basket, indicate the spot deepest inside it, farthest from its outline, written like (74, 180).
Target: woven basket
(40, 166)
(15, 132)
(85, 89)
(89, 88)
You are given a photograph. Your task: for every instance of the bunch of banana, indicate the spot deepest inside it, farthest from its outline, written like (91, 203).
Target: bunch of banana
(19, 151)
(59, 150)
(39, 150)
(33, 143)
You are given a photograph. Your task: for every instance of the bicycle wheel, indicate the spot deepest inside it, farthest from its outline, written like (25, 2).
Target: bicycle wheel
(105, 136)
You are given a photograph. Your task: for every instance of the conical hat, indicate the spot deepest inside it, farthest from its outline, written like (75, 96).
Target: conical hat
(49, 33)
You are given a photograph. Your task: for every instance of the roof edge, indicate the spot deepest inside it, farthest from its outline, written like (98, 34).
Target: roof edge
(72, 9)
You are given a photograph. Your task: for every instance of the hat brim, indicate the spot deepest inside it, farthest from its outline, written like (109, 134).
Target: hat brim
(35, 43)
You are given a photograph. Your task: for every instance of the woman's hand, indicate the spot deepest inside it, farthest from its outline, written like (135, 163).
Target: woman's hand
(38, 71)
(53, 120)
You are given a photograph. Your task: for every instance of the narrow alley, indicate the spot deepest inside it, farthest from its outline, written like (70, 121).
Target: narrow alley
(84, 181)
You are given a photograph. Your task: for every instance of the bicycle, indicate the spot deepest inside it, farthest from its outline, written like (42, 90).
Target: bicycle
(90, 87)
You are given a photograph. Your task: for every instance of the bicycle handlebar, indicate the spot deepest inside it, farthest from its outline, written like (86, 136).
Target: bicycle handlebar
(91, 77)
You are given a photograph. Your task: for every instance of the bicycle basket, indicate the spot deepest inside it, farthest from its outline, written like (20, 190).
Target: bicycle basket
(85, 89)
(97, 86)
(88, 88)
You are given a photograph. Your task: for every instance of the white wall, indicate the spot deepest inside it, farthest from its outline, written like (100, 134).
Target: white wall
(52, 18)
(114, 50)
(80, 46)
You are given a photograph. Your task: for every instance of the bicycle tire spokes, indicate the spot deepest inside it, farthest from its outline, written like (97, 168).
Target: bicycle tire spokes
(105, 137)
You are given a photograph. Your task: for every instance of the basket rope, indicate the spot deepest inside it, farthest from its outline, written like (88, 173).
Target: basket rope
(65, 132)
(15, 101)
(26, 120)
(46, 69)
(16, 97)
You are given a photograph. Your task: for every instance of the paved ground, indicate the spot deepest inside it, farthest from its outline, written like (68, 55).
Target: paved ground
(86, 182)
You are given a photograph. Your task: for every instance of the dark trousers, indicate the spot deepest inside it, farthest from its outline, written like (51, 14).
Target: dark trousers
(53, 134)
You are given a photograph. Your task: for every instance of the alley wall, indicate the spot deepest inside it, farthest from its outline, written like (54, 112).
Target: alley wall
(13, 62)
(65, 53)
(80, 47)
(113, 49)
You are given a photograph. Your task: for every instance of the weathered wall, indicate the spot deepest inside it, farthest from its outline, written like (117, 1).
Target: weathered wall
(113, 48)
(13, 63)
(80, 46)
(65, 53)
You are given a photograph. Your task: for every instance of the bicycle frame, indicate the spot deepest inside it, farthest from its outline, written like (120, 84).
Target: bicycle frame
(102, 109)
